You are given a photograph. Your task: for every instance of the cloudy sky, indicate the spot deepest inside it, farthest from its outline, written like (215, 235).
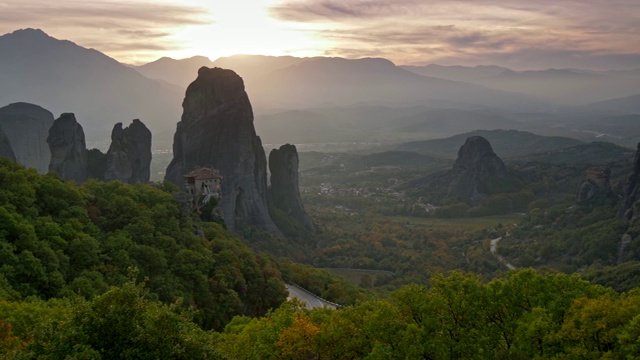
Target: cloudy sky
(521, 34)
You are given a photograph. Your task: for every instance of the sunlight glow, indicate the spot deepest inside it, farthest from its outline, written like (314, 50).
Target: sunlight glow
(244, 27)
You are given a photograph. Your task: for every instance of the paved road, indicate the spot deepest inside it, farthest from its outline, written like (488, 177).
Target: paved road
(311, 300)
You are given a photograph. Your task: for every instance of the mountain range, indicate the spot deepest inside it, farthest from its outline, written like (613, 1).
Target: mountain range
(64, 77)
(318, 99)
(562, 86)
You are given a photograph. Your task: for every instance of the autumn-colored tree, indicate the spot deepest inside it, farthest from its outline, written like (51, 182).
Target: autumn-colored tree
(298, 341)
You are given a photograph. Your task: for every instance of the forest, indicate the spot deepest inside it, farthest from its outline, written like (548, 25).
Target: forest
(108, 270)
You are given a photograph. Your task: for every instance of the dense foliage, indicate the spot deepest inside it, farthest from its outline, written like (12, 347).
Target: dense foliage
(119, 324)
(567, 237)
(525, 315)
(59, 240)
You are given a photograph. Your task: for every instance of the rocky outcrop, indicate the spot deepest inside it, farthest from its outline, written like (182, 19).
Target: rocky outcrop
(129, 156)
(6, 150)
(68, 148)
(630, 208)
(216, 130)
(96, 164)
(284, 192)
(477, 172)
(596, 186)
(27, 127)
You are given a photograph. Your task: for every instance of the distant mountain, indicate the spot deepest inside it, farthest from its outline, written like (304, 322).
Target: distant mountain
(64, 77)
(622, 105)
(371, 81)
(277, 84)
(452, 121)
(366, 123)
(331, 124)
(457, 73)
(182, 72)
(253, 67)
(303, 126)
(177, 72)
(565, 86)
(506, 143)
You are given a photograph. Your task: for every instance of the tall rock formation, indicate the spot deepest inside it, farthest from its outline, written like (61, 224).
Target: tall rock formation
(96, 164)
(216, 131)
(27, 127)
(630, 208)
(129, 156)
(477, 172)
(597, 186)
(284, 192)
(6, 150)
(68, 148)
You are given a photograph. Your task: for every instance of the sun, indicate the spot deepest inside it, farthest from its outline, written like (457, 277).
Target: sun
(245, 27)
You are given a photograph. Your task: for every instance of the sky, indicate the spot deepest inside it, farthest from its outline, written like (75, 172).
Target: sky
(520, 34)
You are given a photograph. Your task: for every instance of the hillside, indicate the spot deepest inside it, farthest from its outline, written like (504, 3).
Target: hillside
(590, 153)
(61, 240)
(506, 143)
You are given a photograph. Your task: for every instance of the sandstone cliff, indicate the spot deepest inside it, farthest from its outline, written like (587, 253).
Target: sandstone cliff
(216, 130)
(129, 156)
(477, 172)
(284, 192)
(6, 150)
(27, 127)
(630, 208)
(68, 148)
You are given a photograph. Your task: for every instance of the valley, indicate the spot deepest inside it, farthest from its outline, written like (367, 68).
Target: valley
(500, 205)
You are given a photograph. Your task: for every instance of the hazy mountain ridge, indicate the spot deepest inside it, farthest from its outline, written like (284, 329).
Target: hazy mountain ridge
(330, 96)
(286, 82)
(367, 99)
(64, 77)
(621, 105)
(563, 86)
(369, 81)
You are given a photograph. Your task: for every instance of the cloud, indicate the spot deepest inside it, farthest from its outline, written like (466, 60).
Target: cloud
(111, 26)
(125, 13)
(541, 33)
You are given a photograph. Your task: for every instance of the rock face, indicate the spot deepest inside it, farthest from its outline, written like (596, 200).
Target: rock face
(476, 171)
(596, 185)
(68, 148)
(129, 156)
(96, 164)
(630, 208)
(27, 127)
(284, 193)
(6, 150)
(216, 131)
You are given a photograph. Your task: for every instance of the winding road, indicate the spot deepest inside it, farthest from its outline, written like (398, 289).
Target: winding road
(494, 251)
(308, 298)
